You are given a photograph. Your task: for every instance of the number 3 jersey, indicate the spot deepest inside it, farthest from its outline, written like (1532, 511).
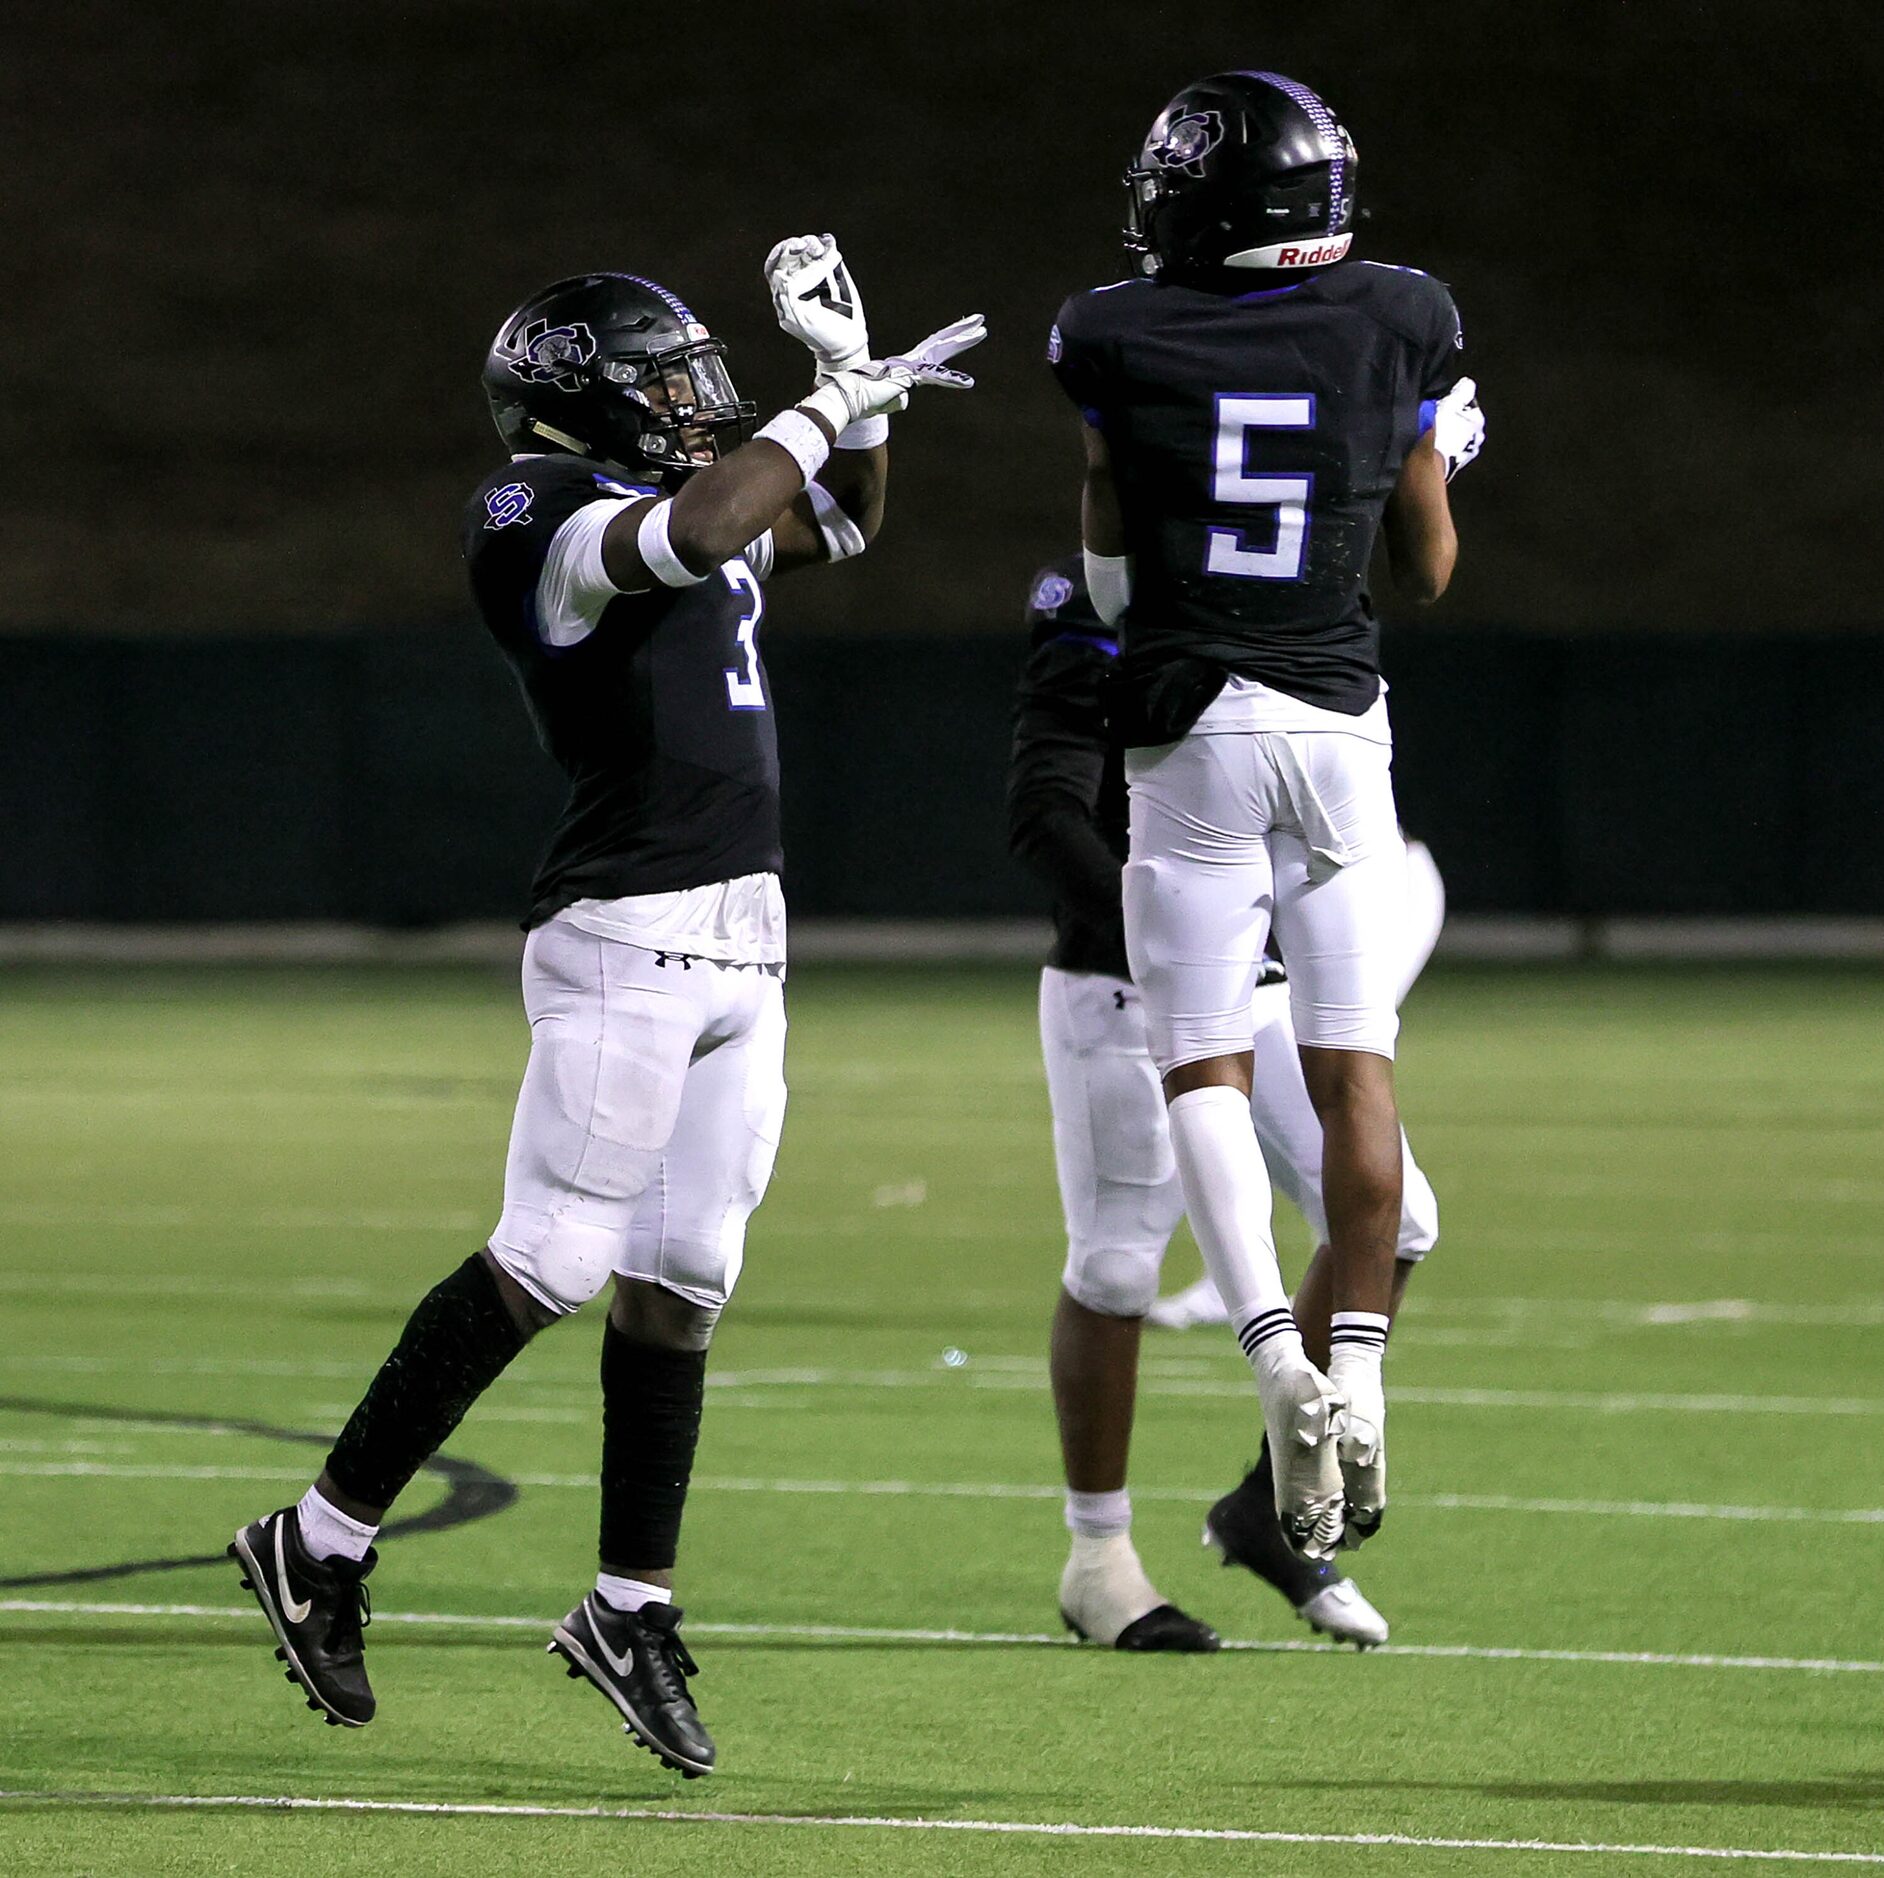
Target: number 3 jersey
(1254, 441)
(655, 704)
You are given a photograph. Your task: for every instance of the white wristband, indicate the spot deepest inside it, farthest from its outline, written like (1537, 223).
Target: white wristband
(842, 537)
(868, 433)
(657, 551)
(800, 437)
(1109, 584)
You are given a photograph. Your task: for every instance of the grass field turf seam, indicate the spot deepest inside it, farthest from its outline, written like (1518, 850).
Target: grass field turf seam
(1655, 1188)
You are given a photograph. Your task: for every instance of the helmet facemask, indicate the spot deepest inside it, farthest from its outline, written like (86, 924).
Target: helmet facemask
(675, 407)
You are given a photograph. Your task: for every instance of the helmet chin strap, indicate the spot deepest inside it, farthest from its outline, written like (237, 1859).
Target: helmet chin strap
(562, 437)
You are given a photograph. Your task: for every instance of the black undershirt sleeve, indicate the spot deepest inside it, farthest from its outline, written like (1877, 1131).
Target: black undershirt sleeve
(1054, 777)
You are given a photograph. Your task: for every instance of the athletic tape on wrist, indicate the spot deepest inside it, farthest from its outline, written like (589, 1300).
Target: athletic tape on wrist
(868, 433)
(801, 437)
(657, 551)
(842, 537)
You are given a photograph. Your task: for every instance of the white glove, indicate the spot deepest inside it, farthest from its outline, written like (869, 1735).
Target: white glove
(879, 387)
(1362, 1446)
(1459, 426)
(817, 302)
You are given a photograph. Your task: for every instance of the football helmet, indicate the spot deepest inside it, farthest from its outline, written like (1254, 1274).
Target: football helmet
(614, 366)
(1244, 171)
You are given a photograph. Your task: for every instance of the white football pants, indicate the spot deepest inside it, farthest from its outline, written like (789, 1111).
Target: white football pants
(1234, 831)
(648, 1120)
(1112, 1140)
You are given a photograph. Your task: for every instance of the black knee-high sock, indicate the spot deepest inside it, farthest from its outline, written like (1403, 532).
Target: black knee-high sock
(651, 1403)
(454, 1346)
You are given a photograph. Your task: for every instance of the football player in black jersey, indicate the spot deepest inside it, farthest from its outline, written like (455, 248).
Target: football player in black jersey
(1257, 405)
(619, 558)
(1112, 1147)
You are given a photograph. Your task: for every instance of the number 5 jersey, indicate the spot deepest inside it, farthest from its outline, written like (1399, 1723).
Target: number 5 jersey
(1254, 440)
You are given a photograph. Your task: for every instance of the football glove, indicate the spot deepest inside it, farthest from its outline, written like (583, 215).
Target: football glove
(1459, 426)
(817, 301)
(879, 387)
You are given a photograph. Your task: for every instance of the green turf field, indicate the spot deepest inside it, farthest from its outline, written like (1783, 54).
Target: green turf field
(1634, 1564)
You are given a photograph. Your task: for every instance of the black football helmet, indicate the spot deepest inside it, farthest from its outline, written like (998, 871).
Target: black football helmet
(1243, 171)
(614, 366)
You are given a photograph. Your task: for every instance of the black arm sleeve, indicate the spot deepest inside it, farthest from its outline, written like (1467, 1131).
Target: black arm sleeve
(1055, 777)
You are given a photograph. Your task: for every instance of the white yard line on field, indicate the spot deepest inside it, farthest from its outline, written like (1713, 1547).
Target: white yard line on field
(987, 1377)
(865, 1633)
(1006, 1490)
(1427, 1311)
(1058, 1829)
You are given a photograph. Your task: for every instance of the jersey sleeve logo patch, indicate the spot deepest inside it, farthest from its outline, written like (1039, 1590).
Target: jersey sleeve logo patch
(509, 504)
(1189, 141)
(1052, 593)
(552, 355)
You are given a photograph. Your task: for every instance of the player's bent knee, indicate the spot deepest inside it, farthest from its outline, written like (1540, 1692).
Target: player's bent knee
(1419, 1214)
(651, 1313)
(559, 1263)
(1115, 1281)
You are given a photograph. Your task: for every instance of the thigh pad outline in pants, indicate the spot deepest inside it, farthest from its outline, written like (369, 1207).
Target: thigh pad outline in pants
(611, 1036)
(1111, 1142)
(689, 1232)
(1340, 928)
(1198, 894)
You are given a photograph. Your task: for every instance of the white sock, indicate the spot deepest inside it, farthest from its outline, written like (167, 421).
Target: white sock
(327, 1532)
(1226, 1193)
(629, 1594)
(1366, 1331)
(1098, 1515)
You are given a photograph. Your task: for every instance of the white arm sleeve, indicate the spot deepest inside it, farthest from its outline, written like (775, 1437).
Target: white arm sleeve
(574, 586)
(1109, 582)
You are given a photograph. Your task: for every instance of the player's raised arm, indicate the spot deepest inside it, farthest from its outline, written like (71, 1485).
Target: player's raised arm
(819, 488)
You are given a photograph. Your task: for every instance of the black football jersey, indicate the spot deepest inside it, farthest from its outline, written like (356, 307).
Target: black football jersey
(1255, 439)
(661, 717)
(1066, 800)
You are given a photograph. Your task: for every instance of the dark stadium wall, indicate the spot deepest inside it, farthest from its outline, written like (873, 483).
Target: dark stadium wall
(391, 778)
(255, 255)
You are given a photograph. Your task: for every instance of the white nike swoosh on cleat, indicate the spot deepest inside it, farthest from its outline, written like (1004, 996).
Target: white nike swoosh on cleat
(293, 1612)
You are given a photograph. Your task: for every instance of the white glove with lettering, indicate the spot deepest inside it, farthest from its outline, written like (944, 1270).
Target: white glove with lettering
(1459, 426)
(878, 387)
(817, 301)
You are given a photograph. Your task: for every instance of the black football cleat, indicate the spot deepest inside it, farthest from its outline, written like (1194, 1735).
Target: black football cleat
(1243, 1527)
(1165, 1629)
(1106, 1598)
(637, 1660)
(317, 1609)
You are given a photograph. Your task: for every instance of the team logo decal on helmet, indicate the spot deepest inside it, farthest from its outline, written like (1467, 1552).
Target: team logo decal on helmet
(549, 355)
(1188, 141)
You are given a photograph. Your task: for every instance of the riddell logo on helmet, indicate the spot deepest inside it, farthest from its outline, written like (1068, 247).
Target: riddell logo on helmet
(1293, 253)
(1316, 255)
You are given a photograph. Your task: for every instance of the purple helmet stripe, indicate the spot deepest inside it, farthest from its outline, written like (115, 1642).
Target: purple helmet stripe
(1324, 121)
(673, 301)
